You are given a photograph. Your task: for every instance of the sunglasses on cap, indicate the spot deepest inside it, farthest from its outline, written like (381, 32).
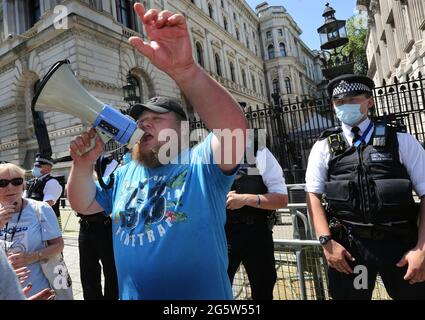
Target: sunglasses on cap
(15, 182)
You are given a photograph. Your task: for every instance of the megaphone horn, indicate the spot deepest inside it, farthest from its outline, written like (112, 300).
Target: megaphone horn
(60, 91)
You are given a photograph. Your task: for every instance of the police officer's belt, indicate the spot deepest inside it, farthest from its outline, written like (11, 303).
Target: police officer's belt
(92, 218)
(246, 219)
(381, 232)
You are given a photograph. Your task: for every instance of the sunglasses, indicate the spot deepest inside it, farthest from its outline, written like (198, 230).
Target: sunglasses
(15, 182)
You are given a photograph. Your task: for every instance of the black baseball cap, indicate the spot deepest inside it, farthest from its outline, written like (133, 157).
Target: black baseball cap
(159, 105)
(350, 85)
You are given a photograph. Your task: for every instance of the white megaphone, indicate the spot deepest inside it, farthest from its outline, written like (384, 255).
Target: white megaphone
(60, 91)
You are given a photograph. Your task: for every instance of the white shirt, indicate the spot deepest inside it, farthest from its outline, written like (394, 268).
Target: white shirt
(52, 190)
(412, 156)
(271, 172)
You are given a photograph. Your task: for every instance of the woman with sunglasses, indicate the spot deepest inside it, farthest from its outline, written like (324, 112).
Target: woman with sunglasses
(23, 233)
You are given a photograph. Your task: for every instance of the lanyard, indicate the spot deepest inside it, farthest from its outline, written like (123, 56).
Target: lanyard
(364, 135)
(14, 229)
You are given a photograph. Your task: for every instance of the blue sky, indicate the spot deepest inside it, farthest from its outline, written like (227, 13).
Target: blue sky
(308, 14)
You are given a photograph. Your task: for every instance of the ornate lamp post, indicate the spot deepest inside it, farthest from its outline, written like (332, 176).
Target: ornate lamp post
(333, 38)
(129, 90)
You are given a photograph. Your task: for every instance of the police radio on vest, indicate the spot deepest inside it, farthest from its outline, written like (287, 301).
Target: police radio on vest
(60, 91)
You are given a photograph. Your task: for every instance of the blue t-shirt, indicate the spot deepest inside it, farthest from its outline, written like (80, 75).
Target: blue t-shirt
(30, 235)
(168, 228)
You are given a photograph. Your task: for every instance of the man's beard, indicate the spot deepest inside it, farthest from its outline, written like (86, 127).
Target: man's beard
(149, 158)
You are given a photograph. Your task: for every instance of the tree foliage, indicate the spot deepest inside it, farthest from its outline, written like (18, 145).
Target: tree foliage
(357, 33)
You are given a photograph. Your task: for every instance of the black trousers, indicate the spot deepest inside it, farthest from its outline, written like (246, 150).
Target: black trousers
(95, 244)
(377, 256)
(253, 246)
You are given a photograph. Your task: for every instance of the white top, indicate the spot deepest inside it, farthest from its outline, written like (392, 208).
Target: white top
(412, 156)
(52, 190)
(271, 172)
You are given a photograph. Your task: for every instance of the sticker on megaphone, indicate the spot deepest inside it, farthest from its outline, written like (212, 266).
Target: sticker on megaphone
(60, 91)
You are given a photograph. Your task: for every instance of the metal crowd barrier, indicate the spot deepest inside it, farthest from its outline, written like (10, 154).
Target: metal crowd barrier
(300, 263)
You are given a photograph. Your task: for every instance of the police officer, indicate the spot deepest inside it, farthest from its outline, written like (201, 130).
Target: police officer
(95, 247)
(258, 189)
(365, 171)
(45, 187)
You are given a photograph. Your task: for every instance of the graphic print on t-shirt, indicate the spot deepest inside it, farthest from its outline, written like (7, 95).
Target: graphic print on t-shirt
(147, 210)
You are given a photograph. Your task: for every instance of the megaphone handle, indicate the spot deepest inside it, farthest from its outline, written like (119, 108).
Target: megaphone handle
(104, 137)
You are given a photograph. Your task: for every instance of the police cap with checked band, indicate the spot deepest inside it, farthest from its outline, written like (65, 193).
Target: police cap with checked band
(350, 85)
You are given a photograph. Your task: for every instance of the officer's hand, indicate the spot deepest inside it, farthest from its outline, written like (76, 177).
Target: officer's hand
(235, 201)
(337, 256)
(80, 147)
(415, 259)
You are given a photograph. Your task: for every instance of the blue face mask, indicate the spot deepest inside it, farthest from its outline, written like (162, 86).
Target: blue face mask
(36, 172)
(127, 158)
(349, 114)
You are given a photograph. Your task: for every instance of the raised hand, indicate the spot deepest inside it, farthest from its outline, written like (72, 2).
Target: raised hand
(170, 48)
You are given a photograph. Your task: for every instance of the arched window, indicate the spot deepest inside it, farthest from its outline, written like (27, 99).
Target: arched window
(125, 14)
(210, 11)
(237, 34)
(288, 85)
(244, 78)
(276, 88)
(254, 87)
(218, 64)
(270, 51)
(261, 88)
(200, 54)
(282, 49)
(232, 71)
(225, 23)
(96, 4)
(35, 11)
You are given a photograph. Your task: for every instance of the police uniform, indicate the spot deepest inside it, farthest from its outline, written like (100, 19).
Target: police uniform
(46, 187)
(367, 174)
(249, 230)
(94, 245)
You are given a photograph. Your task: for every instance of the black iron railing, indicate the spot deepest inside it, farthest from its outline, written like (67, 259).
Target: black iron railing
(294, 126)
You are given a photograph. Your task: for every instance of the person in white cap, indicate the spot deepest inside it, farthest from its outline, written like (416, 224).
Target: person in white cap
(44, 186)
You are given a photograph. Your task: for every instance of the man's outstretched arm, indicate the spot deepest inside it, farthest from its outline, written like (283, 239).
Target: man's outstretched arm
(170, 50)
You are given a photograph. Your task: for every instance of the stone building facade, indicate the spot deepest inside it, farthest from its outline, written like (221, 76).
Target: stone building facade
(230, 41)
(396, 39)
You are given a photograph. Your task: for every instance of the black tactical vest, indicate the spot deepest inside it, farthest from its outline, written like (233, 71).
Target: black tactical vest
(35, 191)
(369, 184)
(249, 184)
